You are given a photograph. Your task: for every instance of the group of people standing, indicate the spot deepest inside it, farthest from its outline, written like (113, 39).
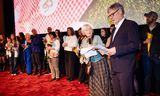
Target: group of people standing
(108, 75)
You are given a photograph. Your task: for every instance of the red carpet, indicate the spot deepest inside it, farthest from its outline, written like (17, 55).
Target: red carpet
(24, 85)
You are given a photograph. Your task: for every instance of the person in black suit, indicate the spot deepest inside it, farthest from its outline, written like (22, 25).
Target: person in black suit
(122, 51)
(37, 52)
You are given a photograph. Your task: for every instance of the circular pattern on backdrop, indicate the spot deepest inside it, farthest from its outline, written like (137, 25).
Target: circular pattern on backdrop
(47, 7)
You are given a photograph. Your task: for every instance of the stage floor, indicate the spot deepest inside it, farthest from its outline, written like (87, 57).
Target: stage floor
(29, 85)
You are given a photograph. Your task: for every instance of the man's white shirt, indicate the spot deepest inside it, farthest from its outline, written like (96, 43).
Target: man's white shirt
(117, 28)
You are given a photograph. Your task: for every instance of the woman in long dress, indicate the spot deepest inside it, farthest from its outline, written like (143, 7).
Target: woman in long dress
(99, 80)
(27, 54)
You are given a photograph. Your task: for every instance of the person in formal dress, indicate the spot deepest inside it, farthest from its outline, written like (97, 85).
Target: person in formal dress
(122, 51)
(99, 75)
(27, 53)
(70, 42)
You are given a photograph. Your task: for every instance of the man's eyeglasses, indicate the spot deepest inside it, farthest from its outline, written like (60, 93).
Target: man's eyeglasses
(113, 13)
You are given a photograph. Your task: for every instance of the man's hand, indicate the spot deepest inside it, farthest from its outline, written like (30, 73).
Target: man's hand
(111, 51)
(148, 40)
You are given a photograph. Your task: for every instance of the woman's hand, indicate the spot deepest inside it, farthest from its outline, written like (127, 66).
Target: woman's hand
(65, 44)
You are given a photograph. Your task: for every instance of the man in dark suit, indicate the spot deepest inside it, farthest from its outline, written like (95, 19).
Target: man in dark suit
(122, 49)
(37, 47)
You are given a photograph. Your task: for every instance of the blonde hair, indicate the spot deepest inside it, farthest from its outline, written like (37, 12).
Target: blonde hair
(27, 36)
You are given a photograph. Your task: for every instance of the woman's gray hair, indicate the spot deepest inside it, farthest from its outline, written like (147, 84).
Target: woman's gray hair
(86, 25)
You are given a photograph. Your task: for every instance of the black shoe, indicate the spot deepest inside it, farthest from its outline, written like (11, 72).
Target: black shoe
(29, 73)
(16, 73)
(70, 79)
(3, 68)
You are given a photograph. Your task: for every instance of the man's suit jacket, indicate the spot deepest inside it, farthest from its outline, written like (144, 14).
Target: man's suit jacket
(126, 42)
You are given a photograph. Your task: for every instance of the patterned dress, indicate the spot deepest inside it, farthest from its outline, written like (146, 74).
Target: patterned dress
(99, 80)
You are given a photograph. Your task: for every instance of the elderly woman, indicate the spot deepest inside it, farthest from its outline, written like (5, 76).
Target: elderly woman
(27, 54)
(99, 81)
